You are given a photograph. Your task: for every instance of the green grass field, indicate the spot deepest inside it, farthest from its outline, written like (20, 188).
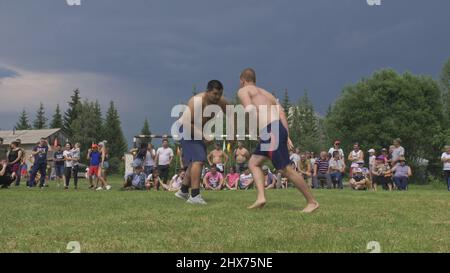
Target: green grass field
(34, 220)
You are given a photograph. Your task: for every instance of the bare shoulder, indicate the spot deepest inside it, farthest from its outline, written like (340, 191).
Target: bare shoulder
(269, 95)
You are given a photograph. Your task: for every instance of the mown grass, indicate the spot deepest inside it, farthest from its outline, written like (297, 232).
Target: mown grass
(34, 220)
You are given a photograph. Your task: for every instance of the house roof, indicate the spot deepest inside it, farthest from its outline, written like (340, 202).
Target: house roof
(27, 136)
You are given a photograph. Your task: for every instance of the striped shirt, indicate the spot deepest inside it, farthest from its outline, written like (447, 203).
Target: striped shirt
(322, 166)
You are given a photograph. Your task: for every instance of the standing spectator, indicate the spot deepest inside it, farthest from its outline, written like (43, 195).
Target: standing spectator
(164, 156)
(245, 180)
(321, 171)
(58, 161)
(104, 166)
(372, 158)
(15, 156)
(218, 158)
(176, 181)
(232, 179)
(3, 150)
(304, 167)
(270, 180)
(380, 174)
(149, 162)
(354, 156)
(76, 155)
(445, 158)
(213, 179)
(337, 148)
(40, 162)
(241, 155)
(337, 167)
(139, 154)
(401, 174)
(295, 157)
(68, 162)
(397, 151)
(385, 155)
(94, 158)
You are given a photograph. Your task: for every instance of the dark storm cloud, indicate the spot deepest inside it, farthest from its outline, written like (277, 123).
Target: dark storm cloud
(159, 50)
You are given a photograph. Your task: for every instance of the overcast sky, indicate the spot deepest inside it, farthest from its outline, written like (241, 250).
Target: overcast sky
(148, 55)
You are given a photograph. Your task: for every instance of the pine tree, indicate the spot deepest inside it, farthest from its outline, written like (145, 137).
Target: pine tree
(41, 120)
(97, 120)
(23, 123)
(57, 121)
(286, 102)
(146, 129)
(71, 114)
(113, 133)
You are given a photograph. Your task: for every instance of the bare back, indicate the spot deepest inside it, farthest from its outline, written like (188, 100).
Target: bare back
(253, 95)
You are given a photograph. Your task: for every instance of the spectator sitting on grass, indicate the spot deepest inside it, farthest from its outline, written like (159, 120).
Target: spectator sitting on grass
(136, 180)
(246, 180)
(213, 179)
(359, 181)
(232, 179)
(401, 174)
(380, 174)
(6, 176)
(175, 182)
(270, 180)
(153, 180)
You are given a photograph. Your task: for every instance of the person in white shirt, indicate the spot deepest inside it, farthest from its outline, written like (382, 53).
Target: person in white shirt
(245, 180)
(164, 156)
(295, 157)
(68, 164)
(397, 151)
(337, 148)
(445, 158)
(354, 156)
(372, 158)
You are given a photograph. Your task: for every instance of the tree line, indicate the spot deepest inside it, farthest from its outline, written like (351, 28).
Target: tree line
(83, 122)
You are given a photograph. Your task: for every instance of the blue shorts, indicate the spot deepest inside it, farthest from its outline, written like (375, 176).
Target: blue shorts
(59, 170)
(279, 155)
(193, 151)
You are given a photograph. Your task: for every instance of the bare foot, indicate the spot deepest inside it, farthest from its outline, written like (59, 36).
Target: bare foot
(311, 207)
(258, 205)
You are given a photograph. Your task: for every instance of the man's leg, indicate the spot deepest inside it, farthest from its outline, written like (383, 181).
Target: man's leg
(254, 165)
(33, 174)
(195, 173)
(315, 182)
(295, 177)
(43, 171)
(328, 179)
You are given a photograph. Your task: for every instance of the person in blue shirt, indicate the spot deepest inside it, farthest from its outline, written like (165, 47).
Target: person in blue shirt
(40, 162)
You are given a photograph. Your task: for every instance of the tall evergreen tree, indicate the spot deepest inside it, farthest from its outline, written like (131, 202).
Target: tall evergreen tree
(23, 123)
(146, 128)
(71, 113)
(41, 120)
(57, 120)
(113, 132)
(97, 120)
(286, 103)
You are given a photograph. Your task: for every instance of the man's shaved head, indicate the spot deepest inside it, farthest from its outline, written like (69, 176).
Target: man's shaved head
(248, 75)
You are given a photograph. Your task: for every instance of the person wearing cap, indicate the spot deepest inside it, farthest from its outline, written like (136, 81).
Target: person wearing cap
(104, 166)
(379, 174)
(402, 173)
(94, 158)
(3, 150)
(304, 168)
(136, 180)
(269, 179)
(39, 153)
(337, 167)
(359, 181)
(445, 159)
(337, 148)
